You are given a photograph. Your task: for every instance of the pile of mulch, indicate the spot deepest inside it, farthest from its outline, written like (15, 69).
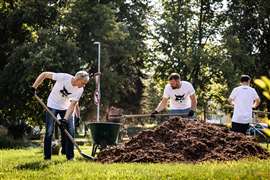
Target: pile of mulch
(182, 140)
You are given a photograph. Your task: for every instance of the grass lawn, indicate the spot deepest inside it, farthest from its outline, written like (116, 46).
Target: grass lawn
(28, 164)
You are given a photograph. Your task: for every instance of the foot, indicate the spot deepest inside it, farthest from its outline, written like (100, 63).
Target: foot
(47, 158)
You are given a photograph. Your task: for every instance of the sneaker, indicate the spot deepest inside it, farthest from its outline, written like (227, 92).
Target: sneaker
(71, 159)
(63, 151)
(47, 158)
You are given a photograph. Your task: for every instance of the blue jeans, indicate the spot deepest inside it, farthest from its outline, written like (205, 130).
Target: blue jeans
(180, 111)
(66, 143)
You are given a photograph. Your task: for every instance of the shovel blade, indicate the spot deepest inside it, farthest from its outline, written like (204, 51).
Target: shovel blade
(88, 156)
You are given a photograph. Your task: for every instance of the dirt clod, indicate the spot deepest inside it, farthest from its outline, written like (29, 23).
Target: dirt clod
(182, 140)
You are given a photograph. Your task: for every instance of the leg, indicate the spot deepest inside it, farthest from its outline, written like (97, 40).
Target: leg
(235, 127)
(48, 135)
(245, 128)
(238, 127)
(63, 135)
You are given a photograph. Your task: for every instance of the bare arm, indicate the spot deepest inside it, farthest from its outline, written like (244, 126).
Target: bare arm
(256, 102)
(70, 109)
(41, 77)
(231, 101)
(162, 104)
(193, 102)
(77, 110)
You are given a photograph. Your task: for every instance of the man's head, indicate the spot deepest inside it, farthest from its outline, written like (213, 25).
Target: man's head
(81, 78)
(174, 80)
(245, 79)
(114, 114)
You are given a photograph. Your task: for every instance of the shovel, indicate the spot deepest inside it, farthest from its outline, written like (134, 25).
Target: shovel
(66, 132)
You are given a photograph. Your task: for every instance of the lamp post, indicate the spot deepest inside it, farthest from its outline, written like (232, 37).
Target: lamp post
(98, 83)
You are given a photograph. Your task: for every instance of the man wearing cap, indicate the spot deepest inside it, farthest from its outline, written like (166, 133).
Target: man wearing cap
(243, 98)
(62, 100)
(181, 95)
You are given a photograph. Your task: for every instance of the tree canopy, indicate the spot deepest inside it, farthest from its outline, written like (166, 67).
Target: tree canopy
(209, 42)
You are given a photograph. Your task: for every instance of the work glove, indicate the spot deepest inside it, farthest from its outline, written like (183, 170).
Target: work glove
(63, 124)
(191, 113)
(153, 114)
(33, 91)
(77, 121)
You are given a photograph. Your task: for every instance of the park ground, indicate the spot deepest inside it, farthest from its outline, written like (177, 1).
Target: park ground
(28, 163)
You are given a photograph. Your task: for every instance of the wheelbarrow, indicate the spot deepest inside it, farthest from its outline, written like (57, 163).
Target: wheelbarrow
(104, 134)
(261, 131)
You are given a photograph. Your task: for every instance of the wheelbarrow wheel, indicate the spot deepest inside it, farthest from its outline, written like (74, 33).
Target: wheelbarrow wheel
(104, 134)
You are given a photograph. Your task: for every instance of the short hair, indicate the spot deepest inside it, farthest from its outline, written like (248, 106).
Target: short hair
(174, 76)
(83, 75)
(245, 78)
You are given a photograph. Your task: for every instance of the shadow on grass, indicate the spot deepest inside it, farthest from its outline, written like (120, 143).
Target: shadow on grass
(39, 165)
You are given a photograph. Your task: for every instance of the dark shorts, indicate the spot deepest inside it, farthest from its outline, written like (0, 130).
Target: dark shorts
(238, 127)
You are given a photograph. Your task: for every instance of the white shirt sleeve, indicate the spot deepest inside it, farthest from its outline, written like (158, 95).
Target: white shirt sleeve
(233, 94)
(58, 76)
(256, 96)
(191, 89)
(166, 92)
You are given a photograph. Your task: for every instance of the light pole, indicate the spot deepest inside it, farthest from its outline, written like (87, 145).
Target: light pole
(98, 83)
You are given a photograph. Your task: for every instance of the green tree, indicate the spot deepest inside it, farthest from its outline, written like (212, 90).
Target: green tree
(186, 43)
(20, 22)
(121, 31)
(248, 38)
(63, 42)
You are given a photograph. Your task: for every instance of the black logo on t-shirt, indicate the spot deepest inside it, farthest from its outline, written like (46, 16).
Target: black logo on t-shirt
(64, 92)
(180, 98)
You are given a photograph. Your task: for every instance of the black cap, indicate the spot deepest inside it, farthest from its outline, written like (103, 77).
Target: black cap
(245, 78)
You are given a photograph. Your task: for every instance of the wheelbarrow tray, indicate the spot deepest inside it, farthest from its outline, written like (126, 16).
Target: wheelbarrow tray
(104, 133)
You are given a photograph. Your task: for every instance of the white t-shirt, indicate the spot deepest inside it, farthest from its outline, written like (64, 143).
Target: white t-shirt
(63, 92)
(243, 98)
(179, 98)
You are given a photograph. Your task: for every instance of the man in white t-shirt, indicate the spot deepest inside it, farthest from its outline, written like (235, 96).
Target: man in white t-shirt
(181, 95)
(243, 98)
(62, 100)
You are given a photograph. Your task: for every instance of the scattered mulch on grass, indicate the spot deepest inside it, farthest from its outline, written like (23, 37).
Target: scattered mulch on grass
(182, 140)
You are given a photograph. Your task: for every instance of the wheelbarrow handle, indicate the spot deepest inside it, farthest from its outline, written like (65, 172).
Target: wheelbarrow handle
(146, 115)
(263, 112)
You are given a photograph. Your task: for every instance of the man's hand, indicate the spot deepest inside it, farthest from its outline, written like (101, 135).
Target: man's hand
(63, 124)
(153, 114)
(33, 90)
(93, 75)
(97, 74)
(191, 113)
(77, 121)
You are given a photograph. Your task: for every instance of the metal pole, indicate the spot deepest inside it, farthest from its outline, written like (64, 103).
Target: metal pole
(98, 105)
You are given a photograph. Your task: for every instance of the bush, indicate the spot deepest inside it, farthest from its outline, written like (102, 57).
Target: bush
(8, 143)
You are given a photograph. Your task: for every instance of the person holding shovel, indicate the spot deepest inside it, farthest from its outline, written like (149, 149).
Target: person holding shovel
(62, 100)
(243, 98)
(181, 95)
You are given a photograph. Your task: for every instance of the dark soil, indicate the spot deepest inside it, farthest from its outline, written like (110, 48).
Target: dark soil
(181, 140)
